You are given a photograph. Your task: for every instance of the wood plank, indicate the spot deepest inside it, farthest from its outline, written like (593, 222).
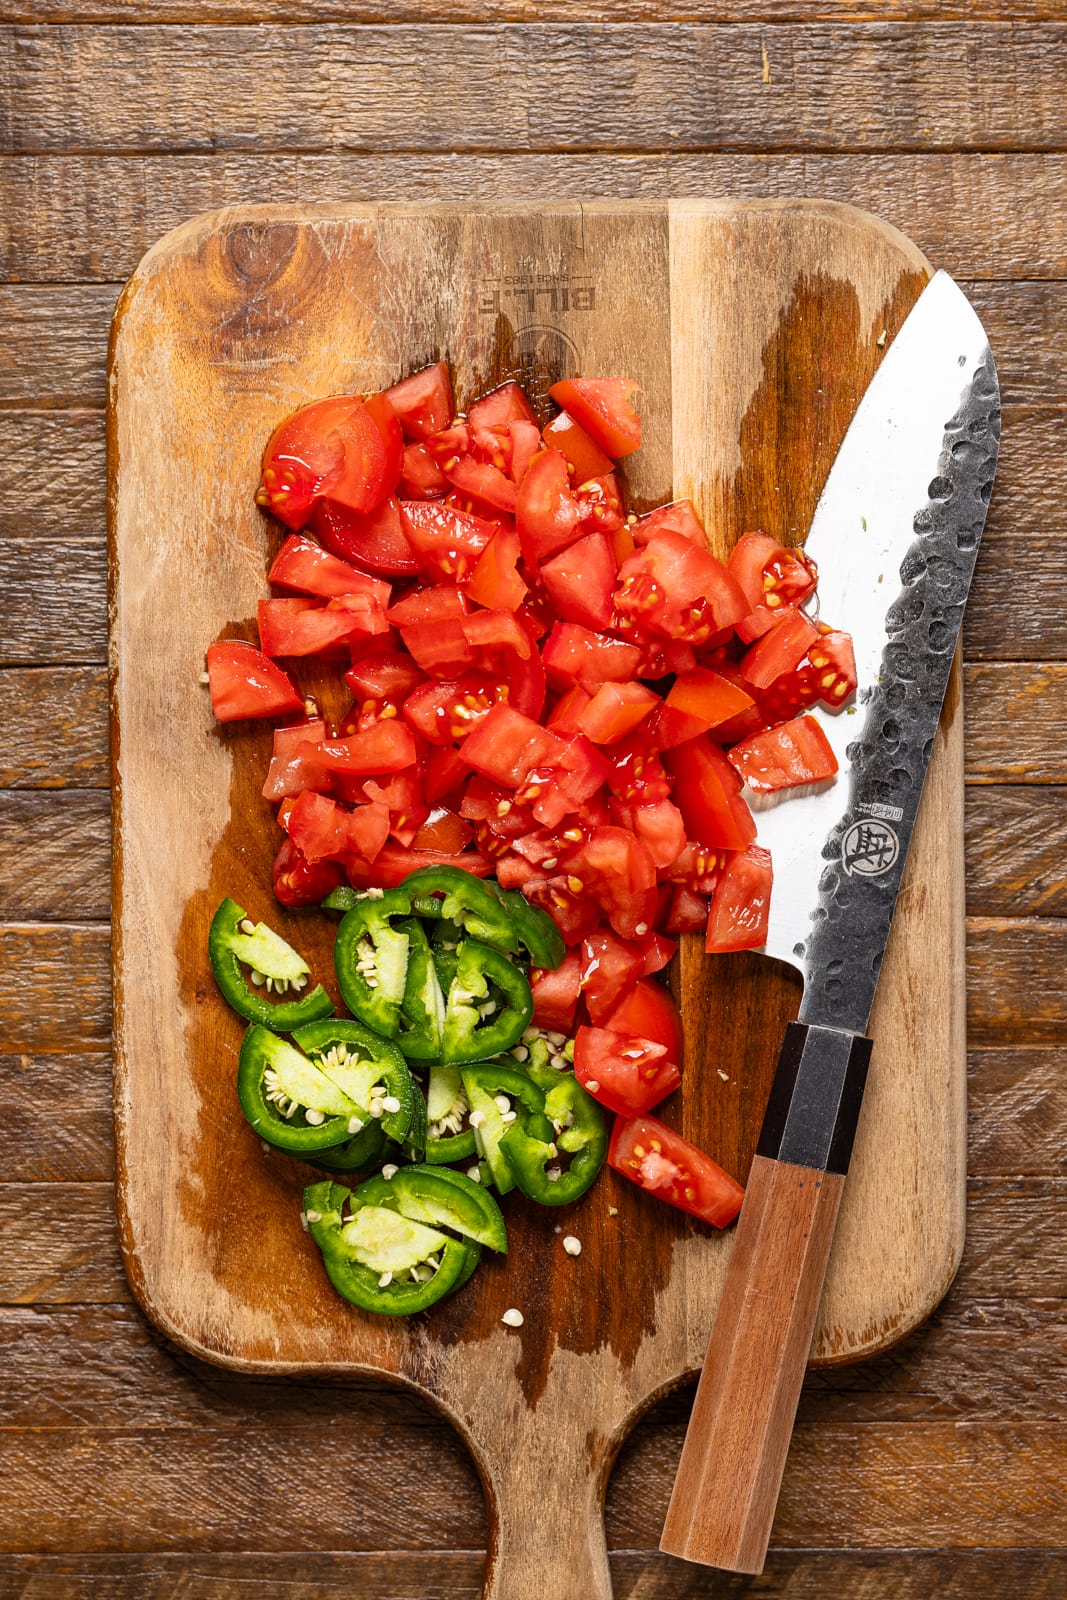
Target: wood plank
(56, 341)
(1016, 722)
(1017, 1110)
(60, 1001)
(1015, 986)
(877, 1482)
(98, 1366)
(44, 1144)
(66, 874)
(60, 1245)
(1016, 844)
(457, 1575)
(150, 12)
(661, 87)
(53, 728)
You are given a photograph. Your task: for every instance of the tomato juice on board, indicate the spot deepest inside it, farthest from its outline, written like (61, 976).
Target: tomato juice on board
(547, 691)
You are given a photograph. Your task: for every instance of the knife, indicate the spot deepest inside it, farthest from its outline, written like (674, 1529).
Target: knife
(895, 536)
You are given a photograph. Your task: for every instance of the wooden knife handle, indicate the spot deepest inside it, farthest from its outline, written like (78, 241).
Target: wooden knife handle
(734, 1454)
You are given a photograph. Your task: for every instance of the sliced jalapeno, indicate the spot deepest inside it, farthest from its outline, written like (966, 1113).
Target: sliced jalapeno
(483, 1083)
(449, 1137)
(488, 1005)
(371, 960)
(422, 1009)
(364, 1152)
(234, 943)
(462, 898)
(376, 1258)
(535, 930)
(576, 1128)
(441, 1200)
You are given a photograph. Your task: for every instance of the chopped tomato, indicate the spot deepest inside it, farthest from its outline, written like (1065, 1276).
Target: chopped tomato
(502, 405)
(443, 830)
(423, 401)
(244, 683)
(482, 479)
(495, 580)
(614, 868)
(706, 792)
(602, 407)
(658, 824)
(627, 1074)
(678, 517)
(377, 540)
(707, 697)
(780, 650)
(381, 747)
(585, 458)
(609, 966)
(688, 912)
(740, 907)
(581, 581)
(546, 511)
(573, 654)
(671, 588)
(393, 863)
(293, 767)
(782, 757)
(301, 564)
(343, 449)
(420, 476)
(615, 710)
(429, 604)
(657, 1159)
(556, 994)
(833, 665)
(303, 627)
(506, 746)
(299, 883)
(773, 577)
(650, 1012)
(447, 542)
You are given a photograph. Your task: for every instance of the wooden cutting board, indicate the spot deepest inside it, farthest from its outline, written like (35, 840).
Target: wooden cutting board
(753, 329)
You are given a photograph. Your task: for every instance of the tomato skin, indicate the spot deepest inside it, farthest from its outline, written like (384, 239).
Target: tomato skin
(784, 756)
(602, 407)
(305, 566)
(657, 1159)
(649, 1011)
(556, 994)
(678, 517)
(546, 512)
(429, 604)
(304, 627)
(423, 402)
(246, 683)
(297, 882)
(740, 907)
(376, 540)
(343, 448)
(626, 1074)
(292, 765)
(708, 697)
(586, 459)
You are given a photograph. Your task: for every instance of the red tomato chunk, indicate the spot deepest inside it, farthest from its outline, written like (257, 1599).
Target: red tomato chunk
(662, 1162)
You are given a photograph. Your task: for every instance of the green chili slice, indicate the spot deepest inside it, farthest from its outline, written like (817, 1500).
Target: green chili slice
(234, 944)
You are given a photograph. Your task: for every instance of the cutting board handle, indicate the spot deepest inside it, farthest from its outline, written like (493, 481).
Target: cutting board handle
(734, 1454)
(546, 1514)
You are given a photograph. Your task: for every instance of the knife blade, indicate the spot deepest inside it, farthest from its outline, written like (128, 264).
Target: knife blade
(895, 535)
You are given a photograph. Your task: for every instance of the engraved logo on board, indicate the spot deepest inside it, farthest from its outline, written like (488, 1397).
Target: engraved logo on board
(869, 848)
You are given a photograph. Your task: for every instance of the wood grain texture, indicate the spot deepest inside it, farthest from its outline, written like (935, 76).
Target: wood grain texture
(66, 874)
(150, 12)
(664, 87)
(44, 1148)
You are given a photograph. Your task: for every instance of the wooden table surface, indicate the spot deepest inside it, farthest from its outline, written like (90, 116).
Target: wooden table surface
(126, 1468)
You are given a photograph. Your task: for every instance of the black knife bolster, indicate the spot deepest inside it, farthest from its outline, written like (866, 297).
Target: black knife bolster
(816, 1095)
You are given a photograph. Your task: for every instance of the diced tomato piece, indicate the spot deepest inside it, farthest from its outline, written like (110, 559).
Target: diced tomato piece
(659, 826)
(573, 654)
(688, 911)
(443, 830)
(525, 443)
(323, 830)
(615, 710)
(671, 588)
(586, 459)
(581, 581)
(447, 542)
(501, 405)
(708, 697)
(514, 871)
(444, 776)
(423, 401)
(495, 580)
(483, 480)
(772, 576)
(301, 564)
(566, 717)
(546, 512)
(556, 994)
(656, 1158)
(706, 793)
(497, 638)
(782, 757)
(441, 647)
(574, 914)
(650, 1012)
(376, 540)
(600, 505)
(506, 746)
(832, 653)
(299, 883)
(303, 627)
(421, 477)
(293, 767)
(401, 794)
(244, 683)
(678, 517)
(388, 676)
(614, 868)
(555, 788)
(609, 966)
(659, 952)
(602, 407)
(697, 868)
(393, 863)
(780, 650)
(429, 604)
(738, 917)
(343, 449)
(626, 1074)
(382, 747)
(637, 773)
